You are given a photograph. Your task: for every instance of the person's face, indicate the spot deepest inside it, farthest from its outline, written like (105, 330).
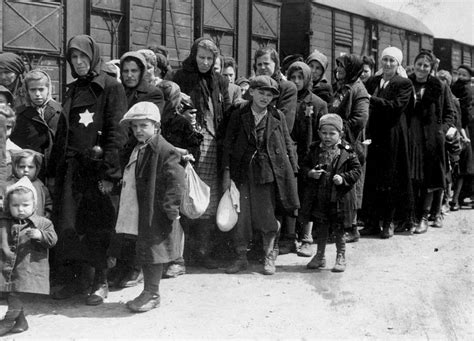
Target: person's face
(464, 75)
(7, 77)
(217, 65)
(298, 78)
(38, 91)
(340, 72)
(389, 66)
(422, 69)
(149, 73)
(80, 62)
(229, 72)
(143, 129)
(265, 65)
(366, 72)
(22, 205)
(329, 135)
(26, 167)
(261, 98)
(190, 115)
(131, 74)
(3, 99)
(316, 70)
(244, 87)
(204, 59)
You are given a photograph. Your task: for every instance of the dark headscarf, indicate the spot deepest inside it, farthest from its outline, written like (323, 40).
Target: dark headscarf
(12, 62)
(138, 58)
(87, 45)
(353, 65)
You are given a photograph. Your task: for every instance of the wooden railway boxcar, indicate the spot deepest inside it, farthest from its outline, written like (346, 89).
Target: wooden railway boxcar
(337, 27)
(453, 53)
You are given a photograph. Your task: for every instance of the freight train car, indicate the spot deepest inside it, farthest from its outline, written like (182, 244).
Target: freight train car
(453, 53)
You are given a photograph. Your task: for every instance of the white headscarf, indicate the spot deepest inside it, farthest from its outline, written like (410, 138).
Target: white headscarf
(397, 54)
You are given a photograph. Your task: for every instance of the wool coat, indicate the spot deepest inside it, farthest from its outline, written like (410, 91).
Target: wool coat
(428, 121)
(278, 146)
(343, 196)
(160, 187)
(24, 262)
(388, 168)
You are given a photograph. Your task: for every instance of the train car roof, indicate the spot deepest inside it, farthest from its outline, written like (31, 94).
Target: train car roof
(379, 13)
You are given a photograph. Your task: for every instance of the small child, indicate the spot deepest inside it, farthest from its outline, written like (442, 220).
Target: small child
(152, 187)
(25, 240)
(332, 170)
(37, 121)
(28, 163)
(260, 159)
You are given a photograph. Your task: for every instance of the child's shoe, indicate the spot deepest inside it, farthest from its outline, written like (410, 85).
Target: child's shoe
(340, 265)
(8, 321)
(146, 301)
(305, 250)
(21, 324)
(317, 262)
(269, 266)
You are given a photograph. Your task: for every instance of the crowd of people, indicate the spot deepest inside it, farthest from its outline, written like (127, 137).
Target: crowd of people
(98, 179)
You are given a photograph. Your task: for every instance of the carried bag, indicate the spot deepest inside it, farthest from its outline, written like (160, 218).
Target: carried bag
(197, 195)
(228, 209)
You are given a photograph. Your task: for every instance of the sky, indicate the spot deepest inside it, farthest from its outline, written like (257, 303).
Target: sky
(451, 19)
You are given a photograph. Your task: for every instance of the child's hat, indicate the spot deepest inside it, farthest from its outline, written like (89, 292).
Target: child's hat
(265, 83)
(142, 111)
(241, 80)
(331, 119)
(23, 182)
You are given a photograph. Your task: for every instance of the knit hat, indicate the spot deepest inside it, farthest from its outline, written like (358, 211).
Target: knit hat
(265, 83)
(142, 111)
(331, 119)
(319, 57)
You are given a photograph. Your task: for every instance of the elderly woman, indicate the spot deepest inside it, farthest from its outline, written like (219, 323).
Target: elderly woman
(429, 121)
(387, 187)
(86, 148)
(12, 70)
(209, 93)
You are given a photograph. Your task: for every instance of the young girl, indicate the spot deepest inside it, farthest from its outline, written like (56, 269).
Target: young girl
(259, 158)
(25, 240)
(332, 169)
(28, 163)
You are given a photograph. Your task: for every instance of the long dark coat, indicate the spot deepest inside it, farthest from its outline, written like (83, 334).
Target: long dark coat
(387, 157)
(279, 147)
(160, 186)
(348, 167)
(26, 269)
(428, 122)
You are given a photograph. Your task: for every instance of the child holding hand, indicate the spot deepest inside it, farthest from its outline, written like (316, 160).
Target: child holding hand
(332, 169)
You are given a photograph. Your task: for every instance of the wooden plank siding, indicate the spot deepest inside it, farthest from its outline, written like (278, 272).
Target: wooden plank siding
(322, 37)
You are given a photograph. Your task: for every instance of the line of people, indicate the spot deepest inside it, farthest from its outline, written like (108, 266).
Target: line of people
(312, 162)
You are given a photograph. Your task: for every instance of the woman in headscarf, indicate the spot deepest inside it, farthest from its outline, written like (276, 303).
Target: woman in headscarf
(387, 188)
(209, 93)
(318, 63)
(430, 119)
(351, 102)
(12, 70)
(309, 110)
(86, 148)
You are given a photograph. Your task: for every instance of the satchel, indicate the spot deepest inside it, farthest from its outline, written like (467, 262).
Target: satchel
(197, 195)
(228, 209)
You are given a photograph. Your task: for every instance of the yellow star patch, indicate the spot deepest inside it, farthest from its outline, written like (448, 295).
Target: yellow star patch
(86, 118)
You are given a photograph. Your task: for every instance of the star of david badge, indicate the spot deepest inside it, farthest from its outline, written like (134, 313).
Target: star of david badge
(86, 118)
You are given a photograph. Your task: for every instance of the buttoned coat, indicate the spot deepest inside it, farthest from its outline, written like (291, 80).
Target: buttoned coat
(160, 186)
(279, 146)
(24, 262)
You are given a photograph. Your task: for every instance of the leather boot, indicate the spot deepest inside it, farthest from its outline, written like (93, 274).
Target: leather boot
(423, 226)
(9, 321)
(240, 264)
(21, 324)
(438, 221)
(340, 265)
(270, 253)
(388, 230)
(318, 261)
(100, 288)
(353, 235)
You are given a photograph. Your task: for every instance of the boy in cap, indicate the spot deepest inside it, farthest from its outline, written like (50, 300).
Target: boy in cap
(152, 187)
(260, 159)
(332, 169)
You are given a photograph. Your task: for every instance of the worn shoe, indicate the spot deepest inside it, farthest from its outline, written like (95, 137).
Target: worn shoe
(387, 231)
(240, 264)
(305, 250)
(269, 266)
(423, 226)
(146, 301)
(438, 221)
(317, 262)
(98, 295)
(174, 270)
(133, 277)
(21, 324)
(340, 265)
(352, 236)
(9, 321)
(454, 206)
